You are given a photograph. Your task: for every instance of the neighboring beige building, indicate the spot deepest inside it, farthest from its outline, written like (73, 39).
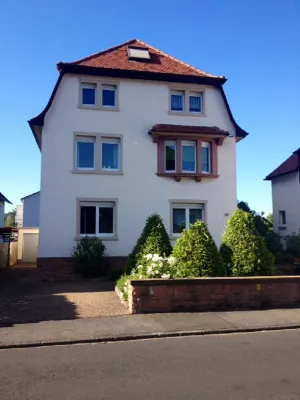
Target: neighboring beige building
(3, 200)
(286, 195)
(128, 132)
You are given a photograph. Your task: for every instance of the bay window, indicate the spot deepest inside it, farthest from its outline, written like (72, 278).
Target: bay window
(188, 156)
(206, 157)
(170, 155)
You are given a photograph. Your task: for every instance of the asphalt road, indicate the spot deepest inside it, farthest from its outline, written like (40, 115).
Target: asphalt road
(262, 366)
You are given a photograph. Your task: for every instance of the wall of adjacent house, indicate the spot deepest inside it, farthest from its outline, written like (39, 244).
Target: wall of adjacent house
(31, 211)
(139, 191)
(286, 197)
(1, 213)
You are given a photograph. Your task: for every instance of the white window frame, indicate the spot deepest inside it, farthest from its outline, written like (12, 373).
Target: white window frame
(88, 86)
(196, 94)
(98, 203)
(187, 92)
(85, 139)
(280, 214)
(186, 205)
(111, 140)
(178, 93)
(111, 87)
(169, 143)
(209, 146)
(98, 138)
(189, 143)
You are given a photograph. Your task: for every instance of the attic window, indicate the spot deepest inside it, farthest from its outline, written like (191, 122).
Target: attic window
(138, 53)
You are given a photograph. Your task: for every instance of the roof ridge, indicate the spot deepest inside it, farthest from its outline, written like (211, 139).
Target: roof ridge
(99, 53)
(181, 62)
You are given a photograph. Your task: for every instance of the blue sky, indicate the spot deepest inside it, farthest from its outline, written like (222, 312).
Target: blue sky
(255, 44)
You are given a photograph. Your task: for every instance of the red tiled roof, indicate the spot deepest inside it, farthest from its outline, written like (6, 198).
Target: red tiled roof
(117, 58)
(288, 166)
(213, 130)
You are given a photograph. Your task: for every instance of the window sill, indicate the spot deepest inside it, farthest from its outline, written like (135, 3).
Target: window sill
(97, 108)
(282, 228)
(178, 176)
(187, 114)
(96, 172)
(104, 238)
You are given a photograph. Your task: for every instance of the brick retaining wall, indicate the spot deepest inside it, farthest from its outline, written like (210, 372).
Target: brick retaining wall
(204, 294)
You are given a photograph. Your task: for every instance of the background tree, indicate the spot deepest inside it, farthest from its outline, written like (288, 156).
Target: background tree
(9, 218)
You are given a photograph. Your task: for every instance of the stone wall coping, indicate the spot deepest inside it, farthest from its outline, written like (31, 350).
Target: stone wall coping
(214, 280)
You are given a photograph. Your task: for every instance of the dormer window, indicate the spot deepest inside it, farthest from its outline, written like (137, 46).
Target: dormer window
(138, 53)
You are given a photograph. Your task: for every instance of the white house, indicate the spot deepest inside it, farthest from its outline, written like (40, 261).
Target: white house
(286, 195)
(31, 210)
(128, 132)
(3, 200)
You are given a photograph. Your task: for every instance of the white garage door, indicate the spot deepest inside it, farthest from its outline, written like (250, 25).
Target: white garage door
(30, 247)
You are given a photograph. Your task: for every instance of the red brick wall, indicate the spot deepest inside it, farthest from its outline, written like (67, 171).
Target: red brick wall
(203, 294)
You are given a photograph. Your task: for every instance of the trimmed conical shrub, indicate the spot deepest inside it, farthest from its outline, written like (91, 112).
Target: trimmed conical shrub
(197, 253)
(154, 239)
(243, 250)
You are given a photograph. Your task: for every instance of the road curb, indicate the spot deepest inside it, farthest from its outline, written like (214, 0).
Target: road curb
(144, 336)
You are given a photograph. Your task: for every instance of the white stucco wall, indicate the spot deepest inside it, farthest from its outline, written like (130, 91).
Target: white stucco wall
(139, 191)
(31, 210)
(286, 196)
(1, 213)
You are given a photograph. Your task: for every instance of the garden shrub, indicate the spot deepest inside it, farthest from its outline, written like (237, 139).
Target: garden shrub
(293, 245)
(153, 240)
(243, 250)
(153, 266)
(88, 257)
(197, 254)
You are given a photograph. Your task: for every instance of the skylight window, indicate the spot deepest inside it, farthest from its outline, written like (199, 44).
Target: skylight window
(140, 53)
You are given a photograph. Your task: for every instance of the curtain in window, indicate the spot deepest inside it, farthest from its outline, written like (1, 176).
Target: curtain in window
(110, 155)
(177, 102)
(195, 103)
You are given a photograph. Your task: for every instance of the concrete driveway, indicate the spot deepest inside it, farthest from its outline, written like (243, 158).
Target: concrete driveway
(26, 298)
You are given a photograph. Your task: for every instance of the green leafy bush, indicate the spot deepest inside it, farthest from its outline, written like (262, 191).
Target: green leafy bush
(154, 240)
(197, 254)
(293, 245)
(88, 257)
(243, 250)
(154, 266)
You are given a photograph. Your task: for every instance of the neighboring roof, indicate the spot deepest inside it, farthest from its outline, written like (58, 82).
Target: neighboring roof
(29, 195)
(213, 130)
(292, 164)
(3, 198)
(114, 62)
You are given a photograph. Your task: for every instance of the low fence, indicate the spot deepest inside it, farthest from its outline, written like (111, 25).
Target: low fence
(212, 294)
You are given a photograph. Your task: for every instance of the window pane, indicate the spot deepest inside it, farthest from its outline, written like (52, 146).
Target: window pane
(177, 102)
(195, 103)
(110, 156)
(88, 96)
(85, 155)
(189, 157)
(170, 156)
(178, 220)
(106, 220)
(88, 220)
(108, 97)
(195, 215)
(205, 159)
(282, 218)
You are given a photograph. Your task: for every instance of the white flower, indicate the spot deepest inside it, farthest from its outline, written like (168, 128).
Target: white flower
(164, 276)
(140, 266)
(121, 295)
(148, 256)
(156, 257)
(171, 260)
(156, 272)
(126, 283)
(141, 276)
(125, 289)
(149, 269)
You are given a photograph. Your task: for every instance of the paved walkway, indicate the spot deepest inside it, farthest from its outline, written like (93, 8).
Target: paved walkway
(24, 298)
(128, 327)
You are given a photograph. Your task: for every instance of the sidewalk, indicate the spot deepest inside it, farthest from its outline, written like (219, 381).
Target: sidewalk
(130, 327)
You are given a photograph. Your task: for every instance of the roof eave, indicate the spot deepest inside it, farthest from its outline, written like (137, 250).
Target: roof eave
(270, 177)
